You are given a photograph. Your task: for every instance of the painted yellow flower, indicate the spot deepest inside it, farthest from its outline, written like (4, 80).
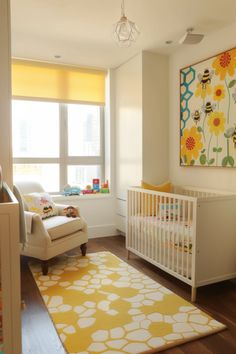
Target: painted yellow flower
(190, 144)
(203, 90)
(216, 123)
(225, 63)
(219, 92)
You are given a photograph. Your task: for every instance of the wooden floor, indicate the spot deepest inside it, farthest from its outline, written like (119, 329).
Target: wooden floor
(219, 300)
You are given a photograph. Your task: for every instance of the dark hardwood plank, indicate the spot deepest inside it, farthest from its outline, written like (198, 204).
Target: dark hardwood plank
(219, 300)
(38, 333)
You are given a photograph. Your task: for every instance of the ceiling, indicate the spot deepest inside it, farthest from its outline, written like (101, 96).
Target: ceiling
(80, 31)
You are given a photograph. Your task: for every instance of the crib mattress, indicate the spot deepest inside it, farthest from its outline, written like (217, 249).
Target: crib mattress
(170, 233)
(174, 226)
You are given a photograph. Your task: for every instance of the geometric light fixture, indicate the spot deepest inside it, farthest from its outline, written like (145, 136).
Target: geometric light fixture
(125, 31)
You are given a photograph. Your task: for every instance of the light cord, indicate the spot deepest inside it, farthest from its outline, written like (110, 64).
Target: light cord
(122, 8)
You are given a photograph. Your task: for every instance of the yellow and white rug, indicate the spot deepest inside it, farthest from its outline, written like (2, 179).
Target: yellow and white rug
(100, 304)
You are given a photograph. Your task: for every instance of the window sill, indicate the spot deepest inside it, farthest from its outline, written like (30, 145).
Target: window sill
(69, 198)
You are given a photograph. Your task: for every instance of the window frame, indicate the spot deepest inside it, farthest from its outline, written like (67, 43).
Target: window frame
(64, 160)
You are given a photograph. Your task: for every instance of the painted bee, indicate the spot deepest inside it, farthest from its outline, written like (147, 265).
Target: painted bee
(231, 133)
(234, 138)
(205, 78)
(208, 108)
(47, 209)
(196, 115)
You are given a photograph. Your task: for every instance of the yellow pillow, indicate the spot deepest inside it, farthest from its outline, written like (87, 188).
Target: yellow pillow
(164, 187)
(152, 209)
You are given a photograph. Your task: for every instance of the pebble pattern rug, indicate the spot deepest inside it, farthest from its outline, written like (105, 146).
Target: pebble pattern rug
(100, 304)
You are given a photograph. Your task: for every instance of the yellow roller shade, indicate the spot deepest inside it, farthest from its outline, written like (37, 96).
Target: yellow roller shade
(62, 83)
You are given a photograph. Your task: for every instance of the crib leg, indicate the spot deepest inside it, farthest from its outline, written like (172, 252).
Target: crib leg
(128, 254)
(193, 294)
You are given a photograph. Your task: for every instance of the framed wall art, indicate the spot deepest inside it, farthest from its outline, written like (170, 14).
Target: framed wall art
(208, 112)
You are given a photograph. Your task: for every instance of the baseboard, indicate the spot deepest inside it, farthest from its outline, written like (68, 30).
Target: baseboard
(102, 231)
(216, 279)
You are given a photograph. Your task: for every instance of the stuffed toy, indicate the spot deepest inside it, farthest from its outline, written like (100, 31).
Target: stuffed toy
(71, 211)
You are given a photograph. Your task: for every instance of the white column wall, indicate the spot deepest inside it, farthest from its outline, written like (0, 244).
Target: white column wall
(155, 100)
(128, 91)
(5, 90)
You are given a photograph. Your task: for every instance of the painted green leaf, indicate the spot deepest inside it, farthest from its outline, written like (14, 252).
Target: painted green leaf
(192, 162)
(230, 160)
(215, 149)
(203, 151)
(232, 83)
(225, 161)
(199, 129)
(211, 161)
(203, 159)
(219, 149)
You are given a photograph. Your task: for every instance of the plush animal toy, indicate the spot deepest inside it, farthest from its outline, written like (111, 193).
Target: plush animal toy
(71, 211)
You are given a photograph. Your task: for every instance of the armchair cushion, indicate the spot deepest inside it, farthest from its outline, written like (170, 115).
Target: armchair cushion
(60, 226)
(40, 203)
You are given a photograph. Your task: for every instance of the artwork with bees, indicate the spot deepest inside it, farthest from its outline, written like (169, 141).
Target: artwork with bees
(208, 112)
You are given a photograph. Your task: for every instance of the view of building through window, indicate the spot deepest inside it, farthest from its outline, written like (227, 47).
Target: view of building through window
(56, 143)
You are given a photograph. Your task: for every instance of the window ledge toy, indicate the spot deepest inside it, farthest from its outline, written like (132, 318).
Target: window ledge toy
(71, 190)
(105, 188)
(71, 212)
(88, 190)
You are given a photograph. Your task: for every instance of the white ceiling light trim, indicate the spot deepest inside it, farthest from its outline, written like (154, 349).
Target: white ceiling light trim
(125, 31)
(191, 38)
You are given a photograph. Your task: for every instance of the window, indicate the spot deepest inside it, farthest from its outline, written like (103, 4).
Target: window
(57, 144)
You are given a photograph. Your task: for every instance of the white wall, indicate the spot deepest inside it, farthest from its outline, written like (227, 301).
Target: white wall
(128, 92)
(221, 178)
(155, 117)
(5, 92)
(98, 211)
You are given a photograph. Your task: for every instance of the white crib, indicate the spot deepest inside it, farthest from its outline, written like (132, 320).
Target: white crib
(190, 233)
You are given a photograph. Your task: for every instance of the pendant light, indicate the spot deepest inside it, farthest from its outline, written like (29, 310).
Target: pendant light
(125, 31)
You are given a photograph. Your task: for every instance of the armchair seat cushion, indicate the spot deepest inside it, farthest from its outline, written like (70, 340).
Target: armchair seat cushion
(60, 226)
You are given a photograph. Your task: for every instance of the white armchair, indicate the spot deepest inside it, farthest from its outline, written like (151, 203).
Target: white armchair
(46, 238)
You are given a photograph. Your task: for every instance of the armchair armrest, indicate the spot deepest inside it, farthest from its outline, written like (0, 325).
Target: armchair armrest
(38, 235)
(61, 207)
(28, 221)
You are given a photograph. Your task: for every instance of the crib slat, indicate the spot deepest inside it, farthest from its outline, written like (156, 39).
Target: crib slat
(152, 228)
(142, 221)
(175, 228)
(149, 228)
(145, 224)
(183, 237)
(133, 221)
(164, 234)
(159, 231)
(128, 220)
(169, 211)
(139, 221)
(156, 231)
(180, 202)
(188, 238)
